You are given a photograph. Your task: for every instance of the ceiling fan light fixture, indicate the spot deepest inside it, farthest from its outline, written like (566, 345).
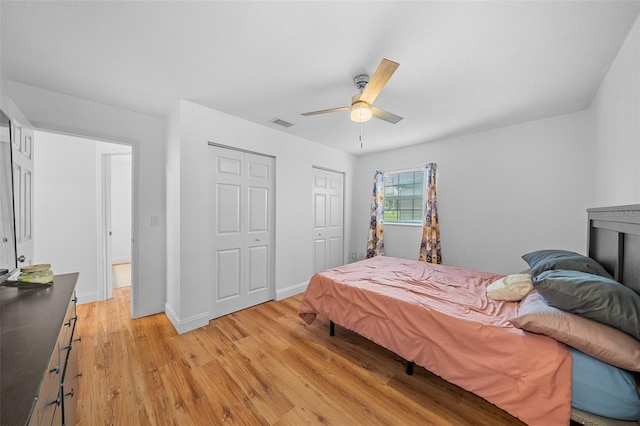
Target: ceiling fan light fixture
(361, 112)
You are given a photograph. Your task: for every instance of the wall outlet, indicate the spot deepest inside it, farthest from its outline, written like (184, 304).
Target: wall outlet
(353, 257)
(360, 256)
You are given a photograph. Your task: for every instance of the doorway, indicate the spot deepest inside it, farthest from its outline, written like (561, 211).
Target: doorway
(70, 229)
(116, 185)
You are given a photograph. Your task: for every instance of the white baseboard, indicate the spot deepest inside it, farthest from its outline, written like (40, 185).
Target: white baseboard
(291, 290)
(188, 324)
(144, 311)
(89, 297)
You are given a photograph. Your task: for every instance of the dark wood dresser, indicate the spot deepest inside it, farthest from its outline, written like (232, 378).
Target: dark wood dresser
(39, 355)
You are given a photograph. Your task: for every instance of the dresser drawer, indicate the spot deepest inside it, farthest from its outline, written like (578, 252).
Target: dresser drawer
(69, 324)
(48, 400)
(70, 386)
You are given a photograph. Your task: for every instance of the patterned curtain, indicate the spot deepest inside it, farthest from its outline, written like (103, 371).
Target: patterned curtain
(430, 245)
(375, 241)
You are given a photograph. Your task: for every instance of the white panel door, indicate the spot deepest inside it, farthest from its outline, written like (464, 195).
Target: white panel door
(23, 191)
(242, 221)
(328, 213)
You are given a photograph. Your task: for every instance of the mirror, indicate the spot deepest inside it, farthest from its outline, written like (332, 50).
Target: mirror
(8, 254)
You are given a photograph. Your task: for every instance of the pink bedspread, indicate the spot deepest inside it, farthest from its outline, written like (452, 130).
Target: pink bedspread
(440, 318)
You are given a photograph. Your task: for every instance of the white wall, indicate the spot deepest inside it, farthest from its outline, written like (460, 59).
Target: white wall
(295, 158)
(614, 136)
(501, 193)
(65, 221)
(121, 208)
(4, 90)
(49, 110)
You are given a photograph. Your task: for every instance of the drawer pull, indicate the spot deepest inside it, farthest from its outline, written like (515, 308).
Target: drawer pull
(75, 299)
(70, 393)
(78, 339)
(56, 369)
(79, 375)
(67, 347)
(54, 402)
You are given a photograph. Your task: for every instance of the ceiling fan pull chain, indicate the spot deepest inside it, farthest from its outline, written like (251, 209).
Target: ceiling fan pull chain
(361, 134)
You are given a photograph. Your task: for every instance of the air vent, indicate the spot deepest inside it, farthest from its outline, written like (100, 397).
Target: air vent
(282, 123)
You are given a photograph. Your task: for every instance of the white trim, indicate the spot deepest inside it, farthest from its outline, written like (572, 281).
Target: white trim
(410, 169)
(89, 297)
(291, 291)
(416, 224)
(235, 148)
(188, 324)
(103, 171)
(326, 169)
(147, 310)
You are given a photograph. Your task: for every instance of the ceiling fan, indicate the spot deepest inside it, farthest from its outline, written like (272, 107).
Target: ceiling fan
(361, 103)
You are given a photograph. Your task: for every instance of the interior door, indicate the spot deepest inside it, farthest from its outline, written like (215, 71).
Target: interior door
(242, 215)
(23, 191)
(328, 215)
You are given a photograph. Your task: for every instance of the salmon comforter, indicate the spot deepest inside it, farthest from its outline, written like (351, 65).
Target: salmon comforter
(441, 318)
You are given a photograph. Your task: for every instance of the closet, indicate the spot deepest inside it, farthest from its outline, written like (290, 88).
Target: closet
(241, 211)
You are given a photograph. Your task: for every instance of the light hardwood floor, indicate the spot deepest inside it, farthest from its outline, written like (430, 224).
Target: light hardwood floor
(260, 366)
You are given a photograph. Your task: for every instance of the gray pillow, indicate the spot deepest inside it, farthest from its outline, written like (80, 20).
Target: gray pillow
(591, 296)
(544, 260)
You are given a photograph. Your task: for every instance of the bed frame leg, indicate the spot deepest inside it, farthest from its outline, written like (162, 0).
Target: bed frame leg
(409, 370)
(332, 328)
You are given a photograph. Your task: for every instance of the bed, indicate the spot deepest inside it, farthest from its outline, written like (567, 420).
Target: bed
(440, 318)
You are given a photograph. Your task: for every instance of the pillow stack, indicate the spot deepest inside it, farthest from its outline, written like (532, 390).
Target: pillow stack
(579, 285)
(577, 302)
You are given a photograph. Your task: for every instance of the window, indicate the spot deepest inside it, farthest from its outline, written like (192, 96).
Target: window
(403, 196)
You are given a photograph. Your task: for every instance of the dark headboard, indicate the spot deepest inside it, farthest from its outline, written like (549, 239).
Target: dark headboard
(613, 240)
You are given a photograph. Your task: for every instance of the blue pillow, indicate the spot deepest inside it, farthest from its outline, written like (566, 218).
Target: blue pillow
(602, 389)
(591, 296)
(544, 260)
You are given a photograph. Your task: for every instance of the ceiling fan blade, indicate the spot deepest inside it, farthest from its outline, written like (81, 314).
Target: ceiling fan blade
(379, 80)
(385, 115)
(324, 111)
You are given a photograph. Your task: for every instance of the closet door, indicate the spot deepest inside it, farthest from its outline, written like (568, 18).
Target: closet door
(328, 213)
(242, 230)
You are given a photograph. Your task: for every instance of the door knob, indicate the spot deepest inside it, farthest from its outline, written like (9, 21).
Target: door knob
(257, 239)
(21, 259)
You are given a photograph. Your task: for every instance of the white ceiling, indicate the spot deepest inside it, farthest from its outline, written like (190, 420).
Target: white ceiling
(464, 66)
